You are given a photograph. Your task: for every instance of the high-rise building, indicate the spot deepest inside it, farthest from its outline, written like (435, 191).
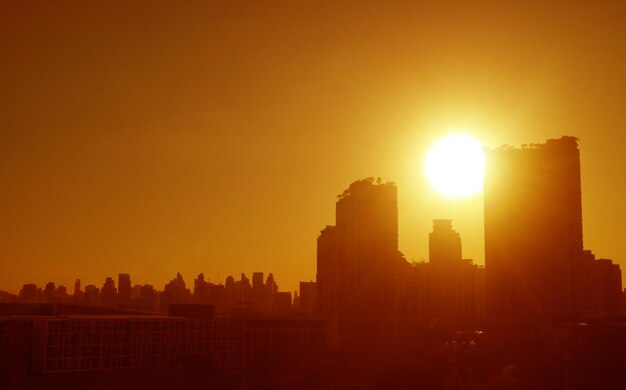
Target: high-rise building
(444, 247)
(49, 294)
(258, 291)
(446, 282)
(257, 281)
(533, 230)
(447, 289)
(124, 289)
(108, 293)
(77, 292)
(201, 290)
(358, 261)
(329, 272)
(175, 291)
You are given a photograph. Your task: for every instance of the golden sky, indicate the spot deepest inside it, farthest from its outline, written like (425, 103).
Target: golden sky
(156, 137)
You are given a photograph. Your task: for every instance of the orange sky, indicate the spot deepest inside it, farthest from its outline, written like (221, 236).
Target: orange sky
(155, 138)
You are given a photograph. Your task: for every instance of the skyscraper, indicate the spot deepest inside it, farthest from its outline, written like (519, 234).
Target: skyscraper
(108, 293)
(358, 260)
(124, 289)
(446, 284)
(452, 285)
(533, 230)
(444, 244)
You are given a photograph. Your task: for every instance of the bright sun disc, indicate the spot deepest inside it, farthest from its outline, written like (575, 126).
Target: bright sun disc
(455, 166)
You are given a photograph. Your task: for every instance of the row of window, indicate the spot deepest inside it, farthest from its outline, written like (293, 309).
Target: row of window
(225, 361)
(98, 350)
(118, 338)
(176, 325)
(128, 325)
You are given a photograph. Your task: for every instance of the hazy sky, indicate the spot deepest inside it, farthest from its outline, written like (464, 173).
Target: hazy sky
(155, 137)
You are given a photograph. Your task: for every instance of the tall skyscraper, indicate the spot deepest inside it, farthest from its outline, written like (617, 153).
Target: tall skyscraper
(358, 260)
(446, 284)
(533, 230)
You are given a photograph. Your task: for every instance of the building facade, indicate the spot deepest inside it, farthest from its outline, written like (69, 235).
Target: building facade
(63, 344)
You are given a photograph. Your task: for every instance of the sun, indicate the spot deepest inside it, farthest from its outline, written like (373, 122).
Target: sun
(455, 166)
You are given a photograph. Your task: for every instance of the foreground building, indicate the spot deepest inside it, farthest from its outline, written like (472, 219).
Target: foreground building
(62, 344)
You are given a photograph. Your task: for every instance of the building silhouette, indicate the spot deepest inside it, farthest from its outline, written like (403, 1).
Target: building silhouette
(536, 268)
(447, 290)
(92, 295)
(533, 229)
(108, 293)
(372, 318)
(453, 281)
(125, 291)
(78, 294)
(358, 263)
(175, 291)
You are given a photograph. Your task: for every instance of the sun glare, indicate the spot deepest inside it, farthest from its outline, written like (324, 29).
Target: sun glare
(455, 166)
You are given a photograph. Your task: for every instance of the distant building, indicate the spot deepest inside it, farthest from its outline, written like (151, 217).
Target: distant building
(92, 295)
(49, 293)
(28, 293)
(78, 295)
(136, 292)
(448, 290)
(257, 280)
(148, 299)
(598, 285)
(175, 291)
(258, 291)
(201, 290)
(108, 293)
(452, 279)
(125, 292)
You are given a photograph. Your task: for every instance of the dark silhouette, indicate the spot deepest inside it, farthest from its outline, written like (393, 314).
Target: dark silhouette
(358, 266)
(537, 271)
(543, 313)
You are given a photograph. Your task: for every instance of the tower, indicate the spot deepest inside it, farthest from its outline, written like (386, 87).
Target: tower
(444, 244)
(533, 230)
(358, 261)
(446, 283)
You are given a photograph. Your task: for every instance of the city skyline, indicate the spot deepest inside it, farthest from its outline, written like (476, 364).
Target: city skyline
(223, 280)
(312, 195)
(543, 307)
(215, 137)
(533, 220)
